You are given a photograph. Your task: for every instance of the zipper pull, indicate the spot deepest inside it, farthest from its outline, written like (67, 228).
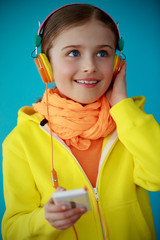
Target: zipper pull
(96, 194)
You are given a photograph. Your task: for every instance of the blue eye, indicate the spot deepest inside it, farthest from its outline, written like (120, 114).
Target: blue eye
(101, 54)
(74, 53)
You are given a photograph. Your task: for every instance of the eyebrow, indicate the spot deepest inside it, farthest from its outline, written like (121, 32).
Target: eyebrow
(71, 46)
(98, 46)
(105, 45)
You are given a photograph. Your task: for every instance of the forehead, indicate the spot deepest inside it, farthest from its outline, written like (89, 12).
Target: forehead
(92, 31)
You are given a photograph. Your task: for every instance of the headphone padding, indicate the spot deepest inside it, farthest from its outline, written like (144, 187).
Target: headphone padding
(44, 68)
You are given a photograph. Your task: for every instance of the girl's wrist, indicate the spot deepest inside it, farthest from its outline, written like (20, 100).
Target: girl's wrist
(117, 100)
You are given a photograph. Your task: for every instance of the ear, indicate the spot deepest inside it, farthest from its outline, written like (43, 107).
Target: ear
(44, 68)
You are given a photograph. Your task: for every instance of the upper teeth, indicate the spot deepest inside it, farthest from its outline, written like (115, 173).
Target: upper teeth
(86, 82)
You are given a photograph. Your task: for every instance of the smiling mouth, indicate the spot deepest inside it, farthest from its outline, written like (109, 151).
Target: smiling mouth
(86, 82)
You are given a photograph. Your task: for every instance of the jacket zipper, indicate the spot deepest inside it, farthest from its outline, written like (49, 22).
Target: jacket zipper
(95, 190)
(96, 194)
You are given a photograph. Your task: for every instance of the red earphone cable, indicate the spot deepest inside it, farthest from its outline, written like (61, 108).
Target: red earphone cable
(75, 232)
(53, 173)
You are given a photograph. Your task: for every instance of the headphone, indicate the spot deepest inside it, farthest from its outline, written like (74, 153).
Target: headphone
(43, 63)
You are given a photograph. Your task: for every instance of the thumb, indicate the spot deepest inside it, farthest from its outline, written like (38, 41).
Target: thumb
(51, 201)
(60, 189)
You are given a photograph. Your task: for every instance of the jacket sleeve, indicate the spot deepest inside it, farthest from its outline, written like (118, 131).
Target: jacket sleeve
(24, 216)
(140, 134)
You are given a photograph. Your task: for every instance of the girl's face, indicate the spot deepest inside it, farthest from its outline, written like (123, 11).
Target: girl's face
(82, 59)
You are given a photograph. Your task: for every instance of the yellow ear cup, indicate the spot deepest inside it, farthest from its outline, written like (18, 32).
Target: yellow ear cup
(118, 63)
(44, 68)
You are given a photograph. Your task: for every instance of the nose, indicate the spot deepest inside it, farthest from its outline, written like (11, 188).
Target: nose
(89, 65)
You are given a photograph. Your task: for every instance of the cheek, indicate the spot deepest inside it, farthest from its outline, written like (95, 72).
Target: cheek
(107, 71)
(63, 70)
(106, 65)
(107, 74)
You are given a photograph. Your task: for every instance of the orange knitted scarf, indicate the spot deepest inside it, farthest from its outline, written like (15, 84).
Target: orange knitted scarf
(77, 125)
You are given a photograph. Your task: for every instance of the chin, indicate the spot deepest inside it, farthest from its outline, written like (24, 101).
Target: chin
(86, 101)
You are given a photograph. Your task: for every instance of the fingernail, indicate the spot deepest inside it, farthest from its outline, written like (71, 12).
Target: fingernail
(83, 210)
(63, 207)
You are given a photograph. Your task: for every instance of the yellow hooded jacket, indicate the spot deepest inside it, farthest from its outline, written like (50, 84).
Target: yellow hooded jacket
(129, 166)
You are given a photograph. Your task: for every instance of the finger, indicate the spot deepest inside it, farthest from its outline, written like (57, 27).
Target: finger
(64, 217)
(65, 223)
(120, 80)
(50, 207)
(63, 227)
(69, 213)
(123, 70)
(60, 189)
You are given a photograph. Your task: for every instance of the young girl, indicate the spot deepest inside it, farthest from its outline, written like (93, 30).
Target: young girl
(97, 138)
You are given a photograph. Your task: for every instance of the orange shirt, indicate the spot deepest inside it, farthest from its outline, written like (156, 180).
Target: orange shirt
(89, 159)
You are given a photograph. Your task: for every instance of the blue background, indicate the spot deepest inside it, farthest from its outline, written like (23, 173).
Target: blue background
(20, 83)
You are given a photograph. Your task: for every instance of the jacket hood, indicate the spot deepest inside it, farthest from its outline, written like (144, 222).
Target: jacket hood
(139, 101)
(28, 113)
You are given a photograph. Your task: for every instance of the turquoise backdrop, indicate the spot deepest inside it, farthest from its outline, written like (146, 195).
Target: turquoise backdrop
(20, 83)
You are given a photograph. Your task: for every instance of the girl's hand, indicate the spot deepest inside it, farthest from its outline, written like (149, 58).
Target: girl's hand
(59, 216)
(117, 91)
